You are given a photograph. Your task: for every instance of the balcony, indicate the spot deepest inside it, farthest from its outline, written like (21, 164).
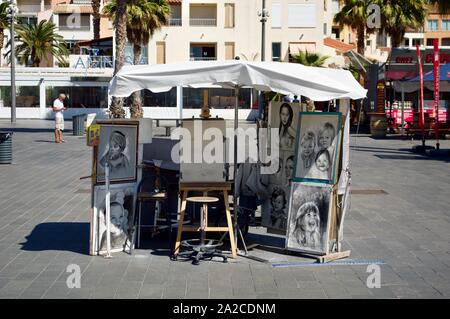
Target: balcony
(203, 58)
(203, 15)
(74, 28)
(175, 22)
(202, 22)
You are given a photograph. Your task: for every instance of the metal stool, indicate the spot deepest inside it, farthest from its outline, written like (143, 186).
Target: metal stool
(202, 248)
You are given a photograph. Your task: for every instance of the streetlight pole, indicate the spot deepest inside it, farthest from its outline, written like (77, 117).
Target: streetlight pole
(12, 9)
(264, 14)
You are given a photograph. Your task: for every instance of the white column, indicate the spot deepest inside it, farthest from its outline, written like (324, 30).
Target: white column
(180, 102)
(42, 5)
(42, 99)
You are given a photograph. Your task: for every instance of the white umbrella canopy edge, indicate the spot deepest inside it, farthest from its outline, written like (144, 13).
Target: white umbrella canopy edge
(318, 84)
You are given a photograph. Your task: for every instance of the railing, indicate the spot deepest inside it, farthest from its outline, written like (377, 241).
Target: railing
(202, 22)
(200, 58)
(74, 28)
(175, 22)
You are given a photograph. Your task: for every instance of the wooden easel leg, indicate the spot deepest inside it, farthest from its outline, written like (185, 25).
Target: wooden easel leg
(230, 225)
(180, 223)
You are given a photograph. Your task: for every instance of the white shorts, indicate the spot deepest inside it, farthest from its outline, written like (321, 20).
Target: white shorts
(59, 123)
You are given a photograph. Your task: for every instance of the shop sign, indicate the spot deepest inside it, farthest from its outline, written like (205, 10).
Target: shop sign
(93, 135)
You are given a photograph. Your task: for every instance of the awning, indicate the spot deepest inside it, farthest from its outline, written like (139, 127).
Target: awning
(67, 8)
(175, 1)
(296, 47)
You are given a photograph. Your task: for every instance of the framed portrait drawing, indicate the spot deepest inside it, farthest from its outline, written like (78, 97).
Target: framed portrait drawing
(284, 116)
(274, 208)
(309, 218)
(118, 147)
(121, 218)
(317, 147)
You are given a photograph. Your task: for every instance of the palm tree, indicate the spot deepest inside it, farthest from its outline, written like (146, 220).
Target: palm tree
(443, 5)
(310, 59)
(4, 22)
(399, 15)
(354, 14)
(144, 17)
(96, 18)
(40, 42)
(120, 24)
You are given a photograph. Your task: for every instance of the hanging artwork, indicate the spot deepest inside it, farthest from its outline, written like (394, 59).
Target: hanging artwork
(121, 215)
(317, 148)
(118, 147)
(309, 218)
(283, 116)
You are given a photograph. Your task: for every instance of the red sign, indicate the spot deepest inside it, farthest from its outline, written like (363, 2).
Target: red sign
(437, 83)
(421, 118)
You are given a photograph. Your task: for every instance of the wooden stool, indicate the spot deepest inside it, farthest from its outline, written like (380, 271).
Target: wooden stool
(223, 187)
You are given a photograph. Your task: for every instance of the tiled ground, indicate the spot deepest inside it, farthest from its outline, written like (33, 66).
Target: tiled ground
(44, 228)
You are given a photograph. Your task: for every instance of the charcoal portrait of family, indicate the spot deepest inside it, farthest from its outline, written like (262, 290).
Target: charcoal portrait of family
(317, 148)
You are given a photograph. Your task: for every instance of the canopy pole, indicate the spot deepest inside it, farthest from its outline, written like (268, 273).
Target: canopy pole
(403, 112)
(235, 155)
(180, 102)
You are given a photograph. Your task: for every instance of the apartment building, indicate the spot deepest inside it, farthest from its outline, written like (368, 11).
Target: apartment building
(436, 26)
(224, 29)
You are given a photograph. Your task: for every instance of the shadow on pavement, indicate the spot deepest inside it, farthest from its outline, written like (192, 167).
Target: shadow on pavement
(72, 237)
(31, 130)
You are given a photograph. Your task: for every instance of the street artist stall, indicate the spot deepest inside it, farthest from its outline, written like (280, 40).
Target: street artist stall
(308, 192)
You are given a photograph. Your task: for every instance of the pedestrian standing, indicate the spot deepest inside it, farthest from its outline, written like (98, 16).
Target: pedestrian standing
(58, 108)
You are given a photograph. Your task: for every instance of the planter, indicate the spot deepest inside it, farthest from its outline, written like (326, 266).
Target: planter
(378, 125)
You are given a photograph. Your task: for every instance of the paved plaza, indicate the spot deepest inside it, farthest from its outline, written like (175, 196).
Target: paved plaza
(400, 217)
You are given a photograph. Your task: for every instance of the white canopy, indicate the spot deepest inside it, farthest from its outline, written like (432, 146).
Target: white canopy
(319, 84)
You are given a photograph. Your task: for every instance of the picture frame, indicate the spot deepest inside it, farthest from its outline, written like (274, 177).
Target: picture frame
(309, 218)
(122, 207)
(318, 145)
(123, 156)
(286, 115)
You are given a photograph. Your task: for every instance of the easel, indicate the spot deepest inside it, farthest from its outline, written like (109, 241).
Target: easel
(223, 187)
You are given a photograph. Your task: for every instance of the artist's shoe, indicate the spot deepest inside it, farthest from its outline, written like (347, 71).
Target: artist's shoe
(63, 141)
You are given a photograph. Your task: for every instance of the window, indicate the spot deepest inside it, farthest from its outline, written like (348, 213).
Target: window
(229, 15)
(276, 15)
(175, 15)
(446, 41)
(79, 96)
(276, 51)
(430, 42)
(229, 51)
(445, 25)
(432, 25)
(160, 52)
(325, 29)
(302, 16)
(27, 20)
(203, 52)
(417, 42)
(68, 22)
(163, 99)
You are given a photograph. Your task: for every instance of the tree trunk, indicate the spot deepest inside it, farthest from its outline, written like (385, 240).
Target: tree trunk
(2, 35)
(96, 18)
(116, 108)
(136, 110)
(361, 40)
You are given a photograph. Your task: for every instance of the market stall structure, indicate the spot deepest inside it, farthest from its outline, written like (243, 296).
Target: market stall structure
(317, 84)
